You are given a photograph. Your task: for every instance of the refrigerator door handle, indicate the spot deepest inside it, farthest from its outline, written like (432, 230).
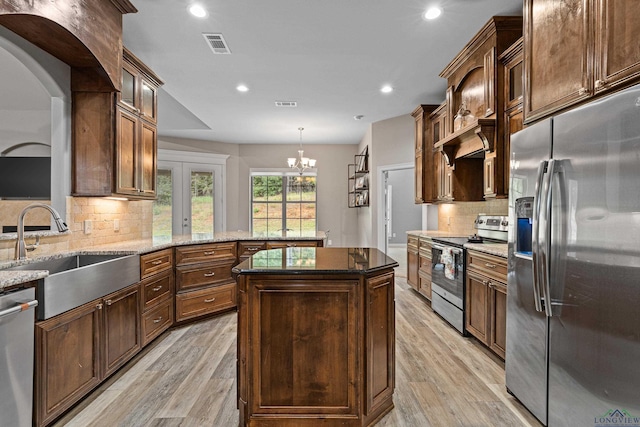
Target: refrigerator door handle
(545, 240)
(535, 247)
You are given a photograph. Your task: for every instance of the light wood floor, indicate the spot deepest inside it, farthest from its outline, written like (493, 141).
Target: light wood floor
(187, 378)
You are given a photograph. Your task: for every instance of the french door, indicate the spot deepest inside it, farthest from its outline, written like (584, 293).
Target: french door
(188, 199)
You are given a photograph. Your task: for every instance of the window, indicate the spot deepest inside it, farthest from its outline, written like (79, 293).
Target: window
(283, 202)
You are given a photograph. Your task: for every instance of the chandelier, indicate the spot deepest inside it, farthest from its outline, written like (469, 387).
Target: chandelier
(301, 163)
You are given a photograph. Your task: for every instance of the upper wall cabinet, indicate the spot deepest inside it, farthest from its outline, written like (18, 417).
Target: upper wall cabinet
(424, 185)
(470, 126)
(114, 136)
(576, 49)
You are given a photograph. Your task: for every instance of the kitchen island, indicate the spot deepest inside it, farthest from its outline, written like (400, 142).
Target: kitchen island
(316, 337)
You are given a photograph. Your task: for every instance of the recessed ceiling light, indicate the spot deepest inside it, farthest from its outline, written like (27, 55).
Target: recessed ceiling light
(386, 89)
(358, 117)
(242, 88)
(198, 11)
(432, 13)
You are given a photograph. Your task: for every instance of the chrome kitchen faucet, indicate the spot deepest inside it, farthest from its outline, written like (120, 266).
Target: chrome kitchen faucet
(21, 247)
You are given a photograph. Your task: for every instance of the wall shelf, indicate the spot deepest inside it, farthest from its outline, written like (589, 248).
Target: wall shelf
(358, 180)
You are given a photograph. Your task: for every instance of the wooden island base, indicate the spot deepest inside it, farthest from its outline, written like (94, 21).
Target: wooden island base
(316, 337)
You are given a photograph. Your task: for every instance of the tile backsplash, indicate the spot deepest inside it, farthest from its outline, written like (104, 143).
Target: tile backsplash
(133, 219)
(458, 217)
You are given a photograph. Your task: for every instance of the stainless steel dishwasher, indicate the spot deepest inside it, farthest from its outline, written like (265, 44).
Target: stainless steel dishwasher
(16, 356)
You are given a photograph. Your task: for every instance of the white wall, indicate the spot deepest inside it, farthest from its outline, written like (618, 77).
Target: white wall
(333, 213)
(390, 143)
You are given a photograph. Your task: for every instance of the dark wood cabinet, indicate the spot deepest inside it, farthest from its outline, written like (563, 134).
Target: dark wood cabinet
(424, 183)
(424, 268)
(413, 262)
(68, 361)
(204, 284)
(157, 293)
(577, 49)
(114, 146)
(76, 350)
(486, 300)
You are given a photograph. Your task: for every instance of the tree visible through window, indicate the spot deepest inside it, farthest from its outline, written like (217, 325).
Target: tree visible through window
(283, 203)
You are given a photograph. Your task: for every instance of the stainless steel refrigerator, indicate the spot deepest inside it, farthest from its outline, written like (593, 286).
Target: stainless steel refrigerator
(573, 300)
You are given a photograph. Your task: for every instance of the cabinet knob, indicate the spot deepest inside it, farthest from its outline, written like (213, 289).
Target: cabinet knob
(108, 302)
(582, 91)
(99, 306)
(599, 84)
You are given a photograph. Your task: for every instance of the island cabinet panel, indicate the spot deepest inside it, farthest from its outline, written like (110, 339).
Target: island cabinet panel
(316, 349)
(380, 340)
(295, 329)
(412, 261)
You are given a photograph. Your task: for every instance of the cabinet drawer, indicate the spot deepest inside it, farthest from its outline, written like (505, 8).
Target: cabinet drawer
(292, 244)
(425, 265)
(246, 249)
(205, 301)
(157, 320)
(156, 288)
(207, 252)
(489, 265)
(199, 275)
(425, 248)
(156, 262)
(412, 242)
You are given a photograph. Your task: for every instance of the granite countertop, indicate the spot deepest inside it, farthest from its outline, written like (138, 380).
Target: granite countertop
(498, 249)
(12, 278)
(316, 261)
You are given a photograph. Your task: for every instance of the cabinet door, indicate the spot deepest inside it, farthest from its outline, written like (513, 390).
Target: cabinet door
(498, 317)
(380, 339)
(617, 54)
(418, 178)
(489, 177)
(126, 152)
(476, 306)
(556, 51)
(148, 100)
(513, 123)
(67, 360)
(121, 327)
(148, 165)
(413, 262)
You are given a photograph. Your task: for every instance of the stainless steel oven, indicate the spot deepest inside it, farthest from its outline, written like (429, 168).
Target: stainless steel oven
(447, 279)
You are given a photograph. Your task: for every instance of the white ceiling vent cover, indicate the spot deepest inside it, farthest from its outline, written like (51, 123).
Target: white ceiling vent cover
(217, 43)
(286, 104)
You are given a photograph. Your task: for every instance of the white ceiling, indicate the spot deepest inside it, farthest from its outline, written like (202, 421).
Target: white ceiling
(330, 56)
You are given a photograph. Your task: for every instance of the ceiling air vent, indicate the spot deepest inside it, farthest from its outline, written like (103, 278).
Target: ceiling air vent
(286, 104)
(216, 43)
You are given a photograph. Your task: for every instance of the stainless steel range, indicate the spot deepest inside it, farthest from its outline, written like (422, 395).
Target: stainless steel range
(448, 258)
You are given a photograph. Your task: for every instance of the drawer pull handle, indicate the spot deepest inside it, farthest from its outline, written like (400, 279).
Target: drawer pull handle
(209, 252)
(156, 262)
(157, 320)
(489, 265)
(209, 274)
(291, 245)
(253, 249)
(210, 300)
(156, 289)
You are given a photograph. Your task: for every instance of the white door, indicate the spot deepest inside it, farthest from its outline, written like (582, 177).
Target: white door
(188, 199)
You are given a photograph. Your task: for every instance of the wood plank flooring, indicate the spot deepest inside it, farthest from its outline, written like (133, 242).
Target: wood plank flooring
(187, 378)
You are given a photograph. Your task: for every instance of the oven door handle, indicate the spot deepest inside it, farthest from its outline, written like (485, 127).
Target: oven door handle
(442, 248)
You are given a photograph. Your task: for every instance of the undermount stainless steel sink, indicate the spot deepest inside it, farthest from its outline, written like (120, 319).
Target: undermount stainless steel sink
(79, 279)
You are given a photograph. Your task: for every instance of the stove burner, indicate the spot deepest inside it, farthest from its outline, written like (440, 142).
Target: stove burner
(475, 239)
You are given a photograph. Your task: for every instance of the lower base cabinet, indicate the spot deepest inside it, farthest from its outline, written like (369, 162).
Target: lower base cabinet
(486, 300)
(198, 303)
(76, 350)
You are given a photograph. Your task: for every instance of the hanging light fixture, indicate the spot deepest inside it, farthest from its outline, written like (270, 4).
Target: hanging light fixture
(301, 163)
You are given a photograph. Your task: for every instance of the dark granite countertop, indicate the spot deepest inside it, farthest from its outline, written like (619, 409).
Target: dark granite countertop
(316, 261)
